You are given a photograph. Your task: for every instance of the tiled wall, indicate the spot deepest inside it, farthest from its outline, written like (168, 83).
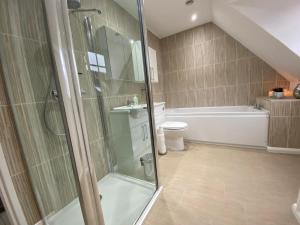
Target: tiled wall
(157, 88)
(13, 154)
(204, 66)
(4, 220)
(284, 125)
(27, 71)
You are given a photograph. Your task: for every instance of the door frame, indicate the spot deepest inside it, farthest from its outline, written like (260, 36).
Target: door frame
(60, 39)
(148, 87)
(8, 194)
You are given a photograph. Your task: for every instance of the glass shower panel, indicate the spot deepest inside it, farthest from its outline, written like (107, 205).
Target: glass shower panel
(28, 73)
(108, 52)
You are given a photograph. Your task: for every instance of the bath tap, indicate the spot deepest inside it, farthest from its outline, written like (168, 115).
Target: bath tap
(130, 102)
(257, 106)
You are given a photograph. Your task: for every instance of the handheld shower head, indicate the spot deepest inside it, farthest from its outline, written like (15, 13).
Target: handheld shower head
(74, 4)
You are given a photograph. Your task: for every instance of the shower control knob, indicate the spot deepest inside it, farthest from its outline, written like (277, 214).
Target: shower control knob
(54, 93)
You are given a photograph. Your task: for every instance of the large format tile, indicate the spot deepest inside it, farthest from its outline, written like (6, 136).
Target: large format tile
(10, 143)
(210, 48)
(217, 185)
(278, 131)
(26, 197)
(294, 133)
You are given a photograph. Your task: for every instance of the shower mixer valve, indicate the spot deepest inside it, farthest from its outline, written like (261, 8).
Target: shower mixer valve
(54, 94)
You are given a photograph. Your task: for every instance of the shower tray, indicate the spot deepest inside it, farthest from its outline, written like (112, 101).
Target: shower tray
(127, 200)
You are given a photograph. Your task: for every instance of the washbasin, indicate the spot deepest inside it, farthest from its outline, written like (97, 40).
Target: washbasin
(140, 106)
(130, 107)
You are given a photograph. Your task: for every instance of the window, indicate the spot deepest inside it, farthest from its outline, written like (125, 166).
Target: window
(96, 62)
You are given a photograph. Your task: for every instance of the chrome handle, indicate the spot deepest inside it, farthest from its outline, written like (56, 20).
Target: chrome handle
(146, 131)
(143, 128)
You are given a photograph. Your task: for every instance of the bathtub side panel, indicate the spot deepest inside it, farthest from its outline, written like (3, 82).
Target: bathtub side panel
(226, 129)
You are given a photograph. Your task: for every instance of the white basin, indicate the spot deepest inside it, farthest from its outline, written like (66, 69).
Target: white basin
(132, 107)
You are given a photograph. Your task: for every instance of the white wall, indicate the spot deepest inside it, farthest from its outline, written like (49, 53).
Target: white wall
(279, 18)
(257, 39)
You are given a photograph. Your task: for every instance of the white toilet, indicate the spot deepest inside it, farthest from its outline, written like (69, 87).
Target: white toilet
(173, 130)
(174, 134)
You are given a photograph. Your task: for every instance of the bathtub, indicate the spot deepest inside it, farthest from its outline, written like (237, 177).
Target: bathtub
(230, 125)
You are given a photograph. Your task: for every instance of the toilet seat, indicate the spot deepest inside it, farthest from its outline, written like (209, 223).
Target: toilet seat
(174, 125)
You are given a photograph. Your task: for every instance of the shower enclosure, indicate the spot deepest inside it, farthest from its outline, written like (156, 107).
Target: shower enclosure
(76, 77)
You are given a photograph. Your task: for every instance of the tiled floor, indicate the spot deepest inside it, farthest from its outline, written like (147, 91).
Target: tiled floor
(215, 185)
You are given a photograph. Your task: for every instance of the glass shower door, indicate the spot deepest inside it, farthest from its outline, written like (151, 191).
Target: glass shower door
(39, 122)
(110, 65)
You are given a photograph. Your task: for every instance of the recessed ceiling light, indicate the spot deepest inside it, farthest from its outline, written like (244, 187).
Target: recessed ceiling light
(189, 2)
(194, 17)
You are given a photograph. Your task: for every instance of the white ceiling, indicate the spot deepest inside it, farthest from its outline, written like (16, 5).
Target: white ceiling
(167, 17)
(280, 17)
(269, 28)
(260, 41)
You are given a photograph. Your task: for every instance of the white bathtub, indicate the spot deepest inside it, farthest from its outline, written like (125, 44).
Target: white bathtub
(230, 125)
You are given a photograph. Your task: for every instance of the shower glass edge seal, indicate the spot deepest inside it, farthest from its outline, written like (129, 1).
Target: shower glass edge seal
(143, 31)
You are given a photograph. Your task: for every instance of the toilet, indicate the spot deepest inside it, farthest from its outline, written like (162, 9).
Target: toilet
(173, 130)
(174, 134)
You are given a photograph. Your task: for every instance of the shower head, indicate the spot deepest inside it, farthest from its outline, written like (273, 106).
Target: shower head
(74, 4)
(85, 10)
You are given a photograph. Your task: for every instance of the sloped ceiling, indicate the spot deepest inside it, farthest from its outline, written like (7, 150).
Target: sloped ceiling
(167, 17)
(269, 28)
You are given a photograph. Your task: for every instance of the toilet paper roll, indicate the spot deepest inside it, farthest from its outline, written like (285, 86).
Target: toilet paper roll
(161, 142)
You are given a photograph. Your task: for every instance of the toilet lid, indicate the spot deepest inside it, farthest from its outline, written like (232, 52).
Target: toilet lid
(173, 125)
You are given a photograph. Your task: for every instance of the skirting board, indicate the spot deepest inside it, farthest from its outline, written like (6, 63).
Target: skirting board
(225, 144)
(297, 214)
(294, 151)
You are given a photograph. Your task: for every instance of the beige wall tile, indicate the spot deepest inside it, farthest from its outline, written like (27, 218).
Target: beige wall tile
(255, 90)
(26, 198)
(294, 133)
(208, 51)
(231, 73)
(281, 108)
(220, 96)
(255, 70)
(217, 32)
(241, 51)
(209, 76)
(208, 31)
(199, 36)
(243, 94)
(189, 38)
(231, 95)
(268, 86)
(295, 108)
(220, 75)
(278, 131)
(220, 50)
(269, 74)
(199, 55)
(189, 53)
(201, 98)
(230, 48)
(200, 77)
(243, 76)
(220, 61)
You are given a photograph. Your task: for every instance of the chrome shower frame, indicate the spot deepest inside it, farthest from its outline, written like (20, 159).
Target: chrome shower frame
(67, 82)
